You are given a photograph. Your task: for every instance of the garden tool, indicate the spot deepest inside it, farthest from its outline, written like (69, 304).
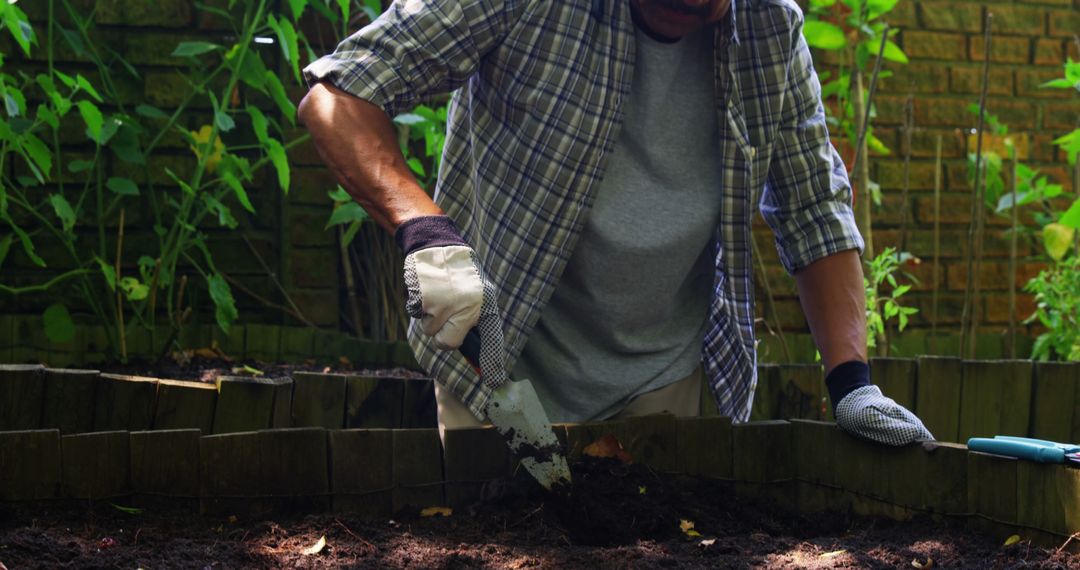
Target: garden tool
(1038, 450)
(515, 409)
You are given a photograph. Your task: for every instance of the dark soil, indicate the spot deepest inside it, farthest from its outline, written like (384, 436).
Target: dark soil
(207, 369)
(617, 516)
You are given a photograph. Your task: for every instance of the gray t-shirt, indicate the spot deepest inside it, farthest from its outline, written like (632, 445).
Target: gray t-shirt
(630, 311)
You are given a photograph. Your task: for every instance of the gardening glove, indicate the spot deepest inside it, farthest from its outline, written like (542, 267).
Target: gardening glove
(443, 279)
(862, 410)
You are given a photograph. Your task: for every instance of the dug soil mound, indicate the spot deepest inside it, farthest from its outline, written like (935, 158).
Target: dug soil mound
(616, 516)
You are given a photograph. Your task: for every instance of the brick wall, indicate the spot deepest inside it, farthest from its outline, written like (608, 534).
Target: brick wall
(944, 41)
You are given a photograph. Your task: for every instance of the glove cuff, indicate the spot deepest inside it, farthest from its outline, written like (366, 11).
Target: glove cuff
(423, 232)
(846, 378)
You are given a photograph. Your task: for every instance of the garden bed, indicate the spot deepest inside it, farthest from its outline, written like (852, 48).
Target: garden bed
(609, 524)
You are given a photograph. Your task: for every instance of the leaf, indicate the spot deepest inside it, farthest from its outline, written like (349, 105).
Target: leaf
(108, 272)
(189, 49)
(39, 153)
(437, 511)
(1012, 540)
(58, 324)
(608, 446)
(823, 35)
(28, 246)
(221, 294)
(151, 112)
(224, 121)
(5, 247)
(1060, 83)
(122, 186)
(894, 53)
(80, 165)
(642, 489)
(237, 187)
(687, 527)
(63, 211)
(1071, 217)
(315, 548)
(276, 152)
(85, 85)
(134, 289)
(18, 24)
(339, 195)
(94, 121)
(286, 35)
(297, 8)
(258, 123)
(225, 217)
(1057, 239)
(346, 213)
(201, 138)
(128, 510)
(245, 369)
(277, 92)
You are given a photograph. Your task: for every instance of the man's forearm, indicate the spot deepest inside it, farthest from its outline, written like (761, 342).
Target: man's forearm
(358, 142)
(834, 302)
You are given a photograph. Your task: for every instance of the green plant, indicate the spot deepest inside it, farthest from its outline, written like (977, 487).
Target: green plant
(77, 198)
(883, 297)
(1057, 299)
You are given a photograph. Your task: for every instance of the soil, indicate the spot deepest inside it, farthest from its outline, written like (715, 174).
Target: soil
(616, 516)
(207, 369)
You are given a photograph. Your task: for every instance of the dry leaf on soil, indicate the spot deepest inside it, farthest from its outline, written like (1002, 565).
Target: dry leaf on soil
(928, 564)
(315, 548)
(608, 446)
(688, 528)
(1012, 540)
(437, 511)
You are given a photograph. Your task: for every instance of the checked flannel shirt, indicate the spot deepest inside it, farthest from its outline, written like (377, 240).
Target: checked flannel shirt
(541, 86)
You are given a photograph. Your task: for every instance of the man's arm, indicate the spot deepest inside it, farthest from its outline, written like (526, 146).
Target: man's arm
(359, 144)
(834, 302)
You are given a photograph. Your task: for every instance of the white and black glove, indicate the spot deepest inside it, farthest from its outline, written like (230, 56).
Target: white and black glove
(862, 410)
(442, 277)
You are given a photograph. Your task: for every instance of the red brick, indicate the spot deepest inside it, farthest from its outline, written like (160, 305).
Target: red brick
(997, 306)
(1061, 116)
(310, 185)
(903, 16)
(942, 112)
(1003, 49)
(924, 143)
(951, 16)
(890, 174)
(1021, 20)
(933, 45)
(305, 226)
(1049, 52)
(1064, 23)
(1018, 115)
(916, 77)
(1060, 174)
(949, 308)
(968, 79)
(1029, 80)
(313, 268)
(1050, 2)
(955, 209)
(168, 13)
(890, 109)
(1042, 148)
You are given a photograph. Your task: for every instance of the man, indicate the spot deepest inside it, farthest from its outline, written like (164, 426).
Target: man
(602, 162)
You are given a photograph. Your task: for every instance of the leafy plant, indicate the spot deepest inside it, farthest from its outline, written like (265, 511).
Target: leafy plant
(883, 297)
(1057, 299)
(78, 201)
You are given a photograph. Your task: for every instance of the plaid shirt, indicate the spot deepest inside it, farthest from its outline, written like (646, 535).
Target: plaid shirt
(538, 107)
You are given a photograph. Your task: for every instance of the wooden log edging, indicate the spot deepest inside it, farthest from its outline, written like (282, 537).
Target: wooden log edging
(803, 465)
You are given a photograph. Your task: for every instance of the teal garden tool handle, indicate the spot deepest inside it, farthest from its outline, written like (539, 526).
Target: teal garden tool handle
(1017, 448)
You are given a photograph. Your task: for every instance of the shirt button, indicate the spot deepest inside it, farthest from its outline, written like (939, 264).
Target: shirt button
(753, 152)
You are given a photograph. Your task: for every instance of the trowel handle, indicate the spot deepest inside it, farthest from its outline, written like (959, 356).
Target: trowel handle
(470, 348)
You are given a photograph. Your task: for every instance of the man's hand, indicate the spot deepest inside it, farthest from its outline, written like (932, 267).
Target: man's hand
(443, 280)
(862, 410)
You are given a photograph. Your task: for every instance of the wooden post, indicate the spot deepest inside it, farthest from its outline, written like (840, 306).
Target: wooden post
(294, 468)
(7, 338)
(905, 468)
(185, 405)
(281, 414)
(814, 448)
(165, 464)
(318, 400)
(996, 398)
(1040, 505)
(861, 471)
(704, 447)
(418, 409)
(766, 404)
(802, 392)
(29, 464)
(69, 400)
(229, 473)
(22, 388)
(763, 461)
(992, 493)
(474, 457)
(373, 402)
(417, 469)
(243, 404)
(651, 441)
(938, 395)
(896, 378)
(362, 471)
(1055, 399)
(946, 478)
(96, 465)
(124, 403)
(262, 342)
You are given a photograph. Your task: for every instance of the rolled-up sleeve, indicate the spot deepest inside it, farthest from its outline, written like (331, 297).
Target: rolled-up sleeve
(807, 196)
(415, 49)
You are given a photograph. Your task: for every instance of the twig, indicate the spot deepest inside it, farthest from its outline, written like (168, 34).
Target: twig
(937, 244)
(968, 319)
(909, 125)
(350, 283)
(119, 296)
(770, 304)
(273, 277)
(261, 299)
(354, 535)
(864, 126)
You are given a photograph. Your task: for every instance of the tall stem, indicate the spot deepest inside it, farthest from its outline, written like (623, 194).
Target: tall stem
(1012, 260)
(937, 245)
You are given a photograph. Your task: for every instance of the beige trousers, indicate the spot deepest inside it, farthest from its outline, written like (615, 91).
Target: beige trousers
(681, 398)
